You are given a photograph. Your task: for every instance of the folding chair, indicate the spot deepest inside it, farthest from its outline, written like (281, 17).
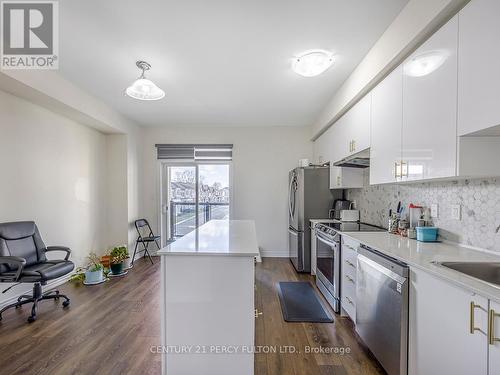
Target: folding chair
(144, 239)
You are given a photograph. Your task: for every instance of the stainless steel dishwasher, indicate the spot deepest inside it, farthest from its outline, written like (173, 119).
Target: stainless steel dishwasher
(382, 308)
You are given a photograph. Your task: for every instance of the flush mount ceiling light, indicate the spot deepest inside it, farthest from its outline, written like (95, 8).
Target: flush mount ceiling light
(142, 88)
(425, 63)
(312, 63)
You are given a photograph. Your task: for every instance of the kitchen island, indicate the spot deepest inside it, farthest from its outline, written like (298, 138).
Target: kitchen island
(207, 307)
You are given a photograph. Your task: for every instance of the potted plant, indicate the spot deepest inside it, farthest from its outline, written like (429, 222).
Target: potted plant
(118, 257)
(105, 260)
(92, 273)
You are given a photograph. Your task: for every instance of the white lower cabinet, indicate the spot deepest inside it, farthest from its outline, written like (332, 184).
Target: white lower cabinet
(448, 328)
(494, 339)
(349, 255)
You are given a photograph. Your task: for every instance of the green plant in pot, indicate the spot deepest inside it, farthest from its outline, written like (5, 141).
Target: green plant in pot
(119, 256)
(94, 272)
(91, 273)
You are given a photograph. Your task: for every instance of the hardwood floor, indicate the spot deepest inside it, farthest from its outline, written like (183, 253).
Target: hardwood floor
(109, 329)
(272, 330)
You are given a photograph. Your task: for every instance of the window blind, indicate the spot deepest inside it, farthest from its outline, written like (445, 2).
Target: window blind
(195, 151)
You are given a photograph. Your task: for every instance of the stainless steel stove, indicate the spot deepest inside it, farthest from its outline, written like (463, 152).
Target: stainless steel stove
(328, 252)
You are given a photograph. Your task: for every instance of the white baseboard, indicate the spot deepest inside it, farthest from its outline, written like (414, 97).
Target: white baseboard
(273, 254)
(50, 285)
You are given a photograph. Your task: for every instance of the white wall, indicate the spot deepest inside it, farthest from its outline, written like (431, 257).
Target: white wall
(53, 172)
(52, 91)
(134, 185)
(261, 161)
(116, 190)
(416, 22)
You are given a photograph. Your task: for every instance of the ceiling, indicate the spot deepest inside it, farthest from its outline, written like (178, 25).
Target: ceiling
(220, 62)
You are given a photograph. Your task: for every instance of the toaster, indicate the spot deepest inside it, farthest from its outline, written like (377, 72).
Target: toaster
(349, 215)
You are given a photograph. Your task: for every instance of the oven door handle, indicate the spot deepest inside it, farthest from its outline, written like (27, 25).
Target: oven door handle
(325, 241)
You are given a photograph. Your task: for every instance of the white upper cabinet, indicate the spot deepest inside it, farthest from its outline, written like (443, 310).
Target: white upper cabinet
(356, 124)
(346, 178)
(349, 135)
(320, 149)
(318, 153)
(386, 124)
(339, 140)
(478, 66)
(429, 136)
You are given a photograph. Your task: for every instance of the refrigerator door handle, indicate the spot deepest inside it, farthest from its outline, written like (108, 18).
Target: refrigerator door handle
(291, 197)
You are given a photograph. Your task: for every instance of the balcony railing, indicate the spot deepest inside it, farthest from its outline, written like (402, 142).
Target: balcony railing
(183, 216)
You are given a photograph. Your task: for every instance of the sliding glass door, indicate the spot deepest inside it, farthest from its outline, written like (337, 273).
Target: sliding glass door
(182, 202)
(193, 194)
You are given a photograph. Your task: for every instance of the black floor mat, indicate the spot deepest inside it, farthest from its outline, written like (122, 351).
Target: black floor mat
(300, 303)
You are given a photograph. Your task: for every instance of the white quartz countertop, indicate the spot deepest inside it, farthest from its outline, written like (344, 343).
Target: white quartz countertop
(422, 254)
(217, 237)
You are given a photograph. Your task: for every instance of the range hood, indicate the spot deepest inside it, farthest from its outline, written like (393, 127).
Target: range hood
(358, 160)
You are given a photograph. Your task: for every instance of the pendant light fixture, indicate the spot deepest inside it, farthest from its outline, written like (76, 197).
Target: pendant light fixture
(142, 88)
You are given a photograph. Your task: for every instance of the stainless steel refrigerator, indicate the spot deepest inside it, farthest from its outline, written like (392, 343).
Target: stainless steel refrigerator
(309, 197)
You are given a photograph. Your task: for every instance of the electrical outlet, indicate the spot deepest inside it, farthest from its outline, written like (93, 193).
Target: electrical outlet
(456, 212)
(434, 210)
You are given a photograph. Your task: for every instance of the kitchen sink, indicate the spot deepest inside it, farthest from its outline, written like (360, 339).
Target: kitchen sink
(486, 271)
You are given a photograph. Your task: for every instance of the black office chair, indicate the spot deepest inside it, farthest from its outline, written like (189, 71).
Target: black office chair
(145, 238)
(22, 260)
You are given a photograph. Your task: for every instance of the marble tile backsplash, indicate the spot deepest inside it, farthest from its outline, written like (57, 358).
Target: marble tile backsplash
(479, 199)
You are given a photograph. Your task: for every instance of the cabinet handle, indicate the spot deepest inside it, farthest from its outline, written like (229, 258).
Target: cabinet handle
(349, 300)
(338, 181)
(472, 328)
(405, 163)
(350, 263)
(349, 247)
(491, 327)
(257, 313)
(354, 145)
(350, 146)
(398, 166)
(350, 279)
